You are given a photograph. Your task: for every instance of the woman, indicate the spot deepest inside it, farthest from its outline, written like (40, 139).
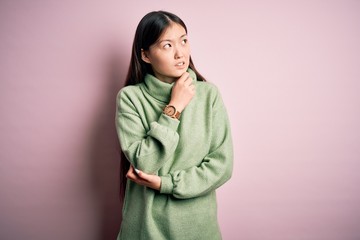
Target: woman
(174, 132)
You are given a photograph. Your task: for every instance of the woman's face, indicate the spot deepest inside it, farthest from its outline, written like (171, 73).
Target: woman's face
(169, 56)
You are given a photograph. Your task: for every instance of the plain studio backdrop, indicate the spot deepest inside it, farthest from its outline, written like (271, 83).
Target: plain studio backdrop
(289, 75)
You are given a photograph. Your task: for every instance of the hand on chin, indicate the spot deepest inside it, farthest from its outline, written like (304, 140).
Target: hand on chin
(180, 73)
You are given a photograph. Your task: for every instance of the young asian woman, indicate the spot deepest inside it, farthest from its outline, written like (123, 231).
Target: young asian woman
(175, 138)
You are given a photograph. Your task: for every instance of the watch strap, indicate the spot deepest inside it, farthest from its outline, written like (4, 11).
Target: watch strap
(176, 113)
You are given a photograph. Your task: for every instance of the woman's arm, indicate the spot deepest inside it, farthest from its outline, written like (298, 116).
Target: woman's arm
(214, 170)
(141, 178)
(147, 150)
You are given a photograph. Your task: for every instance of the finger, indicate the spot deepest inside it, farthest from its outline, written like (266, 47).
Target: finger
(184, 77)
(137, 179)
(144, 176)
(131, 169)
(188, 82)
(131, 176)
(131, 173)
(135, 174)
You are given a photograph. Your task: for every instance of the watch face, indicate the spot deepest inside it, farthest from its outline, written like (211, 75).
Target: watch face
(169, 110)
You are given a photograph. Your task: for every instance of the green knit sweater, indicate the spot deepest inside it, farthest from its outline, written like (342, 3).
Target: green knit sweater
(193, 156)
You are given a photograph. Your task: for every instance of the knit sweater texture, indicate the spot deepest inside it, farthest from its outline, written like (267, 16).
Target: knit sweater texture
(193, 156)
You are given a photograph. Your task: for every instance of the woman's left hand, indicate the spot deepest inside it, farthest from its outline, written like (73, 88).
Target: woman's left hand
(141, 178)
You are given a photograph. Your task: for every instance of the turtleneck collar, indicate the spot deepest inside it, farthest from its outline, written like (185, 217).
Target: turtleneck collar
(161, 90)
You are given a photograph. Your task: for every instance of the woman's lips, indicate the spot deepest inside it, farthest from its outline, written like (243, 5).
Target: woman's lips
(180, 64)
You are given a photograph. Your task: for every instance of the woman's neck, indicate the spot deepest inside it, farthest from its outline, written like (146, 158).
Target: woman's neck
(165, 79)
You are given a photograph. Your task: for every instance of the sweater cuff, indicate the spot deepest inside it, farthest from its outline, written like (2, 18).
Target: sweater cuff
(169, 122)
(166, 184)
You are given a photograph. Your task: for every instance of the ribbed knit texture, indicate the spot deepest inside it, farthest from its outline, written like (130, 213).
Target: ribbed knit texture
(193, 156)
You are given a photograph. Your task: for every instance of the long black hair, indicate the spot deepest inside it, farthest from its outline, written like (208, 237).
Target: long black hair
(150, 28)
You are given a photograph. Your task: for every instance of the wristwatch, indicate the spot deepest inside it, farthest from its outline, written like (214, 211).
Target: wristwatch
(171, 111)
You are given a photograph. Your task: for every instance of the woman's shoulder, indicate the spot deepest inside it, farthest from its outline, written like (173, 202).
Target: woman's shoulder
(210, 93)
(129, 95)
(129, 91)
(207, 88)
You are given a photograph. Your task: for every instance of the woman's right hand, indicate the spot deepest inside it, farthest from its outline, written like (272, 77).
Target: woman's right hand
(141, 178)
(182, 92)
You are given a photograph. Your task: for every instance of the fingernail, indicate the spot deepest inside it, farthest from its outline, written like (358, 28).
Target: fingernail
(136, 170)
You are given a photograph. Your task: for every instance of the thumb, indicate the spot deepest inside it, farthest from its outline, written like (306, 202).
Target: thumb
(144, 176)
(183, 77)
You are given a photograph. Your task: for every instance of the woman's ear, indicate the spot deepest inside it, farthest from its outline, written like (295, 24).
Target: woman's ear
(144, 56)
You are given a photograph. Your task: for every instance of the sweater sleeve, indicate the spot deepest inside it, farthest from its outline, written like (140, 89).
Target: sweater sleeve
(146, 149)
(214, 170)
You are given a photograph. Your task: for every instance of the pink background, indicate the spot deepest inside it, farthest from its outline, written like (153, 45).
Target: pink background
(289, 74)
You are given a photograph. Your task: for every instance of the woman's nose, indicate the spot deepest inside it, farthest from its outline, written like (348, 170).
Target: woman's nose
(178, 53)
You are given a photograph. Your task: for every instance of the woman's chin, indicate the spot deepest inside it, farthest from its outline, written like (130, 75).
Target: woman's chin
(180, 72)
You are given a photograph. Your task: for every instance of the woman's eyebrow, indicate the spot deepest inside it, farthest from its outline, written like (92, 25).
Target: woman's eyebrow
(170, 40)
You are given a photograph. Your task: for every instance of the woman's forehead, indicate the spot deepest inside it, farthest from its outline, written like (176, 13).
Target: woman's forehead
(173, 32)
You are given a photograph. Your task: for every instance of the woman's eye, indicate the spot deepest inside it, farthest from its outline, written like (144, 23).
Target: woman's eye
(184, 41)
(167, 45)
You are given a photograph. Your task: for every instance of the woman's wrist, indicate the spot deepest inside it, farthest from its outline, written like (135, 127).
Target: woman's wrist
(178, 106)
